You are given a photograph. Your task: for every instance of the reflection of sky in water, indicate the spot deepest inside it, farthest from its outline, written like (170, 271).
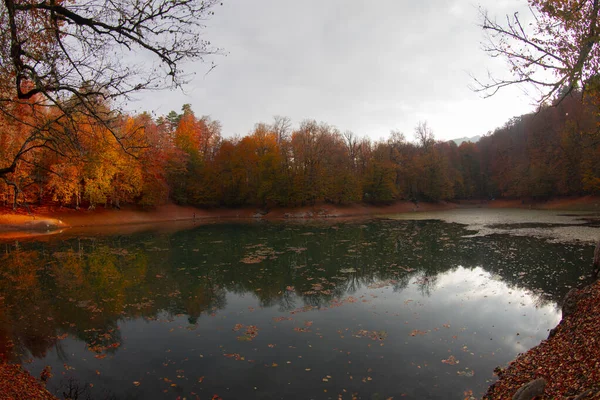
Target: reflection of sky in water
(391, 300)
(494, 221)
(491, 303)
(461, 313)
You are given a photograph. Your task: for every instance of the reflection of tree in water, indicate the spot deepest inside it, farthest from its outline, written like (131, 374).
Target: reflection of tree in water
(200, 300)
(426, 283)
(285, 302)
(26, 313)
(84, 287)
(72, 389)
(352, 284)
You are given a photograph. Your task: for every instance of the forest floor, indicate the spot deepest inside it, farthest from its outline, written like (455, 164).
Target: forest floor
(18, 384)
(569, 360)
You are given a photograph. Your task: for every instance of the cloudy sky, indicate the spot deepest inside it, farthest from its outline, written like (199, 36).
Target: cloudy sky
(368, 66)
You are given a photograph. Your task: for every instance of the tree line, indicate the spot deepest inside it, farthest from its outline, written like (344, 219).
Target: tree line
(185, 159)
(61, 142)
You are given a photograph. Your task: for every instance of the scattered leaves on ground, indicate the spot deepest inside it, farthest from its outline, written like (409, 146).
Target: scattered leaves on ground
(569, 360)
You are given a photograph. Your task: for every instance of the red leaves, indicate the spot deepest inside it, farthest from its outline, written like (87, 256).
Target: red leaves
(373, 335)
(46, 373)
(235, 356)
(15, 383)
(249, 335)
(279, 319)
(451, 361)
(568, 360)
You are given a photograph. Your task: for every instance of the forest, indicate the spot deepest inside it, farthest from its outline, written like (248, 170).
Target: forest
(185, 159)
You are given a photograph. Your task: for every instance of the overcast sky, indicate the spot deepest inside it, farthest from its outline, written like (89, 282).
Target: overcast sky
(368, 66)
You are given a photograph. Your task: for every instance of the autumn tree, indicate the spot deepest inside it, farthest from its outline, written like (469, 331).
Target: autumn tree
(153, 160)
(58, 58)
(380, 176)
(556, 53)
(190, 171)
(471, 169)
(434, 181)
(309, 152)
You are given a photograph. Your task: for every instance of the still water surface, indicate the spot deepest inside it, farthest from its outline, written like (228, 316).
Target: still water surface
(370, 309)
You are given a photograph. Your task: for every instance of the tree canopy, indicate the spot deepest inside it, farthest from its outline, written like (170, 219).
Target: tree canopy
(60, 59)
(184, 158)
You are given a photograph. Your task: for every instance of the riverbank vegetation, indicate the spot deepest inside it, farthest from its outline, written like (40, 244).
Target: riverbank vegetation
(186, 159)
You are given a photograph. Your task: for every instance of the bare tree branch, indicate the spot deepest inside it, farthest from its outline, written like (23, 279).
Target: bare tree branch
(67, 60)
(556, 54)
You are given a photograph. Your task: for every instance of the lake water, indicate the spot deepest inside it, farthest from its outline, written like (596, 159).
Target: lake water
(413, 307)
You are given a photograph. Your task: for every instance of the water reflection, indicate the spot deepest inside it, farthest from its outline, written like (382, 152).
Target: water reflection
(385, 300)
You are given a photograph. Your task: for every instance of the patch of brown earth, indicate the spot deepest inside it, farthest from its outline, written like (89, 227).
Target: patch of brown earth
(45, 217)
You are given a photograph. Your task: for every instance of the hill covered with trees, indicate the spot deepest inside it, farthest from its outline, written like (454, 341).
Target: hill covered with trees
(185, 159)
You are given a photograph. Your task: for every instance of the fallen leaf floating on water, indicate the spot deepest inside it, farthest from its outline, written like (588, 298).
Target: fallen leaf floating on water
(235, 356)
(279, 319)
(373, 335)
(451, 361)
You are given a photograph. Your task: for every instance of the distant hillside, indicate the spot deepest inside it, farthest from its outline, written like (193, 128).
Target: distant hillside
(459, 141)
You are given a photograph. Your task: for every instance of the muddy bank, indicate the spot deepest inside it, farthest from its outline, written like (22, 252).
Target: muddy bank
(25, 222)
(48, 220)
(567, 364)
(584, 203)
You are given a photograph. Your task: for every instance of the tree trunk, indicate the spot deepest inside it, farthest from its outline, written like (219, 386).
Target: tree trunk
(597, 261)
(15, 194)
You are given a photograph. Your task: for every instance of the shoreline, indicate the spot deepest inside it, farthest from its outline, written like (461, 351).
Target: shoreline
(559, 360)
(564, 366)
(17, 383)
(45, 219)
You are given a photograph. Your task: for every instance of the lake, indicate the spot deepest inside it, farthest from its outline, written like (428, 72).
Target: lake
(413, 306)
